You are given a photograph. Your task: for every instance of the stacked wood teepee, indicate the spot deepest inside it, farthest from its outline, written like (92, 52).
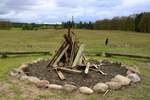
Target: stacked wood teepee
(69, 54)
(70, 58)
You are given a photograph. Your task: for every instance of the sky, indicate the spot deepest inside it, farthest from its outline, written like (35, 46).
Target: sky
(57, 11)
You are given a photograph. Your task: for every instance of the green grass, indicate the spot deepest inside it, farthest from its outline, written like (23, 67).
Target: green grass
(120, 41)
(6, 64)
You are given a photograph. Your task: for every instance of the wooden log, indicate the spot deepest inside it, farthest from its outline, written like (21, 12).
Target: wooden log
(126, 55)
(79, 54)
(102, 72)
(68, 70)
(81, 60)
(60, 74)
(106, 92)
(57, 54)
(66, 56)
(71, 55)
(84, 60)
(98, 70)
(95, 66)
(61, 54)
(22, 53)
(72, 52)
(87, 68)
(68, 39)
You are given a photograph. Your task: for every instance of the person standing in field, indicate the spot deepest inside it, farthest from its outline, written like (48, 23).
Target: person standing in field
(106, 41)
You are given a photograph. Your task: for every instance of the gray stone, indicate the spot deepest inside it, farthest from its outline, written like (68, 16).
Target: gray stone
(134, 77)
(24, 67)
(121, 79)
(17, 73)
(13, 74)
(113, 85)
(69, 87)
(134, 69)
(55, 86)
(86, 90)
(42, 84)
(34, 79)
(129, 72)
(24, 77)
(100, 87)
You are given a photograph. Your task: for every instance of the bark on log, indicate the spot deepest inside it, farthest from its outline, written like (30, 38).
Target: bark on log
(22, 53)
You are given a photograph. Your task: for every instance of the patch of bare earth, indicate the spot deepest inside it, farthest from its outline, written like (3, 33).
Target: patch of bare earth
(28, 91)
(41, 71)
(5, 91)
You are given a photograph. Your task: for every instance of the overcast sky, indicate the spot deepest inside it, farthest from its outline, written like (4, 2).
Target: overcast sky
(55, 11)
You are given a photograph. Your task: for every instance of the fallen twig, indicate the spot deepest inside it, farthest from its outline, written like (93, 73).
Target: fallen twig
(106, 92)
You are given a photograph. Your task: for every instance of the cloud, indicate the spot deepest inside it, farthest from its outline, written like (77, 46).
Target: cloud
(52, 11)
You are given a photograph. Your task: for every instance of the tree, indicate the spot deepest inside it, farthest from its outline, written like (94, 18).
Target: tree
(144, 24)
(5, 25)
(137, 21)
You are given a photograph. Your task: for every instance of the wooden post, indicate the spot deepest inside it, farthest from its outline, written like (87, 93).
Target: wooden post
(79, 54)
(87, 68)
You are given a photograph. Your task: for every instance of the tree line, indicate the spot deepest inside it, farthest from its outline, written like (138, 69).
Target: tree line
(137, 22)
(5, 25)
(25, 26)
(80, 25)
(32, 26)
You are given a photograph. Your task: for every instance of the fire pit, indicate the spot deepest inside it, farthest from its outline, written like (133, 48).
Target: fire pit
(79, 79)
(69, 68)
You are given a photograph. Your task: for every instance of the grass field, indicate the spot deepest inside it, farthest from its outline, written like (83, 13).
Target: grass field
(119, 41)
(49, 40)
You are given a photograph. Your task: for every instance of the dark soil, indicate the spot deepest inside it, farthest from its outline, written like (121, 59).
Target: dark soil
(41, 71)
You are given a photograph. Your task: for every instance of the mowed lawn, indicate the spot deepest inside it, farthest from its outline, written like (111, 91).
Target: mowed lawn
(49, 40)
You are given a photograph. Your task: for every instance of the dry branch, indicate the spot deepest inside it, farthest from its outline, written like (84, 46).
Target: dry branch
(60, 74)
(69, 70)
(61, 54)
